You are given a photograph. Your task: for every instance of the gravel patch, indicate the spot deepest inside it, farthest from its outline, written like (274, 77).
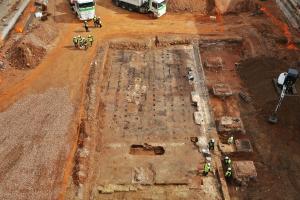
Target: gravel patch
(33, 145)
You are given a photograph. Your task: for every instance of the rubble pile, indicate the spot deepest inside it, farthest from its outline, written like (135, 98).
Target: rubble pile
(25, 55)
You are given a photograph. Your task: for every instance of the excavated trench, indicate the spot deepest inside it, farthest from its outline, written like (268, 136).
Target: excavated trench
(93, 141)
(146, 149)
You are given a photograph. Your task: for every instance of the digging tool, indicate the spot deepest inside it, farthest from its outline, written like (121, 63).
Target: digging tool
(286, 81)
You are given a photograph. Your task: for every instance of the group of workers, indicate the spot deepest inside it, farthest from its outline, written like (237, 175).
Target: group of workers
(97, 23)
(227, 160)
(227, 163)
(82, 42)
(207, 166)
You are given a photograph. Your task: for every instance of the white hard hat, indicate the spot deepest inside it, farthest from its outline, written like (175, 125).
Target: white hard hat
(229, 168)
(208, 164)
(226, 157)
(213, 140)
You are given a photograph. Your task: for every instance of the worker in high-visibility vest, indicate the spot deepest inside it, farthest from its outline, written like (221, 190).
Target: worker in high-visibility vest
(90, 40)
(99, 22)
(228, 173)
(227, 161)
(83, 43)
(206, 169)
(230, 140)
(95, 21)
(75, 41)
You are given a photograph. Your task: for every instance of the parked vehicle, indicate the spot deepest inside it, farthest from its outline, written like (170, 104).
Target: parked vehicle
(156, 8)
(84, 9)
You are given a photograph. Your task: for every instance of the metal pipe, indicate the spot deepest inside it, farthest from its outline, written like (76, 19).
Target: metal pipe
(13, 20)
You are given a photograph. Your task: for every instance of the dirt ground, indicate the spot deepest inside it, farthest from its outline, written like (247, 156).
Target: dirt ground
(42, 107)
(276, 155)
(275, 146)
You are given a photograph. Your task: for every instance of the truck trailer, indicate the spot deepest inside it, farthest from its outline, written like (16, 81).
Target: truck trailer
(156, 8)
(84, 9)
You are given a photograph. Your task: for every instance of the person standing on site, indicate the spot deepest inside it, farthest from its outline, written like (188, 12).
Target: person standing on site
(80, 41)
(211, 144)
(95, 21)
(75, 41)
(85, 43)
(206, 169)
(99, 22)
(90, 40)
(156, 41)
(227, 161)
(85, 25)
(228, 173)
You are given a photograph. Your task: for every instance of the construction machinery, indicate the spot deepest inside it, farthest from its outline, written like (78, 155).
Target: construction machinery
(285, 85)
(156, 8)
(84, 9)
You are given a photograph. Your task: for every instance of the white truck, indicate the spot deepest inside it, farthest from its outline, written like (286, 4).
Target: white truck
(156, 8)
(84, 9)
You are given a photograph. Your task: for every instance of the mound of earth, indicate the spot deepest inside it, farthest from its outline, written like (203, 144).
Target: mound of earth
(234, 6)
(202, 6)
(24, 51)
(25, 55)
(29, 50)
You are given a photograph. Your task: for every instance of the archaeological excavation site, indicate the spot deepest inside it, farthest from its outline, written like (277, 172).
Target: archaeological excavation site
(149, 99)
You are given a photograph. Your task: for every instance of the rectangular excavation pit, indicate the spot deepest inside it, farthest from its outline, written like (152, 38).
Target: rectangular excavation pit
(214, 63)
(222, 90)
(244, 171)
(146, 149)
(243, 145)
(230, 125)
(148, 100)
